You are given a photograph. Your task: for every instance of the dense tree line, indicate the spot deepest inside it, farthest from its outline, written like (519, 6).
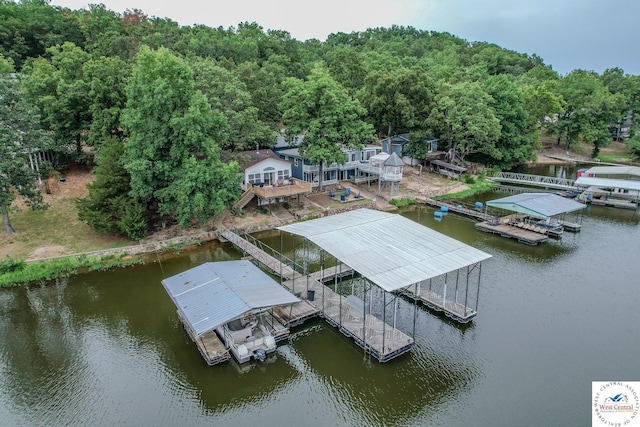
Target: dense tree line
(161, 104)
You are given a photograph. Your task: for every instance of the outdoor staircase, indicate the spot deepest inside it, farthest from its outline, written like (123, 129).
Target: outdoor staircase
(245, 199)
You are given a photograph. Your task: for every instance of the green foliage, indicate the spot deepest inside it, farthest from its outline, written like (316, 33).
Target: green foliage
(60, 90)
(263, 210)
(20, 137)
(403, 202)
(171, 153)
(468, 179)
(463, 119)
(9, 265)
(479, 186)
(62, 267)
(327, 116)
(108, 208)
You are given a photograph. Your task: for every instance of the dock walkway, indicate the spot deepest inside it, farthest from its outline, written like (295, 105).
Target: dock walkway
(382, 341)
(458, 208)
(536, 180)
(523, 235)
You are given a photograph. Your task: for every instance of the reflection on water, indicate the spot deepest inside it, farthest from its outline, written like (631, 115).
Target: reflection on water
(106, 348)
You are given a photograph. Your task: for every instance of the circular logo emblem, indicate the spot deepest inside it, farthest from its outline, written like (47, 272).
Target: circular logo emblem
(616, 403)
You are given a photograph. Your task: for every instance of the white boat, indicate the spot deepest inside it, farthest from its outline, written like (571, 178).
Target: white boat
(247, 338)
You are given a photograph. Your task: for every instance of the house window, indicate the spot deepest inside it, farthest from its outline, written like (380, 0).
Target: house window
(353, 157)
(254, 178)
(283, 174)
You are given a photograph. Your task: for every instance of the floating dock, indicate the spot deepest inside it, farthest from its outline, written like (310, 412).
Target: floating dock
(521, 234)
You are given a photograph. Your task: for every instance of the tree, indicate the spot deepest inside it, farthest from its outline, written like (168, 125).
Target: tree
(463, 119)
(20, 137)
(171, 151)
(590, 108)
(109, 208)
(322, 110)
(516, 141)
(228, 95)
(398, 101)
(107, 79)
(60, 90)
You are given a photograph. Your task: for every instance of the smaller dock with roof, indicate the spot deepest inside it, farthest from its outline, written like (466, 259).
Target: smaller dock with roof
(617, 186)
(229, 306)
(535, 217)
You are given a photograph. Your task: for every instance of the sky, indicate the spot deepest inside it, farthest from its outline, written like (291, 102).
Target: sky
(567, 34)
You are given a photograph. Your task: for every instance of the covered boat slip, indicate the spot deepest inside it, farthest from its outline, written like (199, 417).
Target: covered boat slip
(624, 193)
(212, 295)
(390, 255)
(539, 213)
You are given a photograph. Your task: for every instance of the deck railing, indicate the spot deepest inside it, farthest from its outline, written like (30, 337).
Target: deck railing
(282, 189)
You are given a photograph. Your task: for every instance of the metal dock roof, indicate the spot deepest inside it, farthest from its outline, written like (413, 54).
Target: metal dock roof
(540, 205)
(391, 251)
(624, 184)
(212, 294)
(619, 171)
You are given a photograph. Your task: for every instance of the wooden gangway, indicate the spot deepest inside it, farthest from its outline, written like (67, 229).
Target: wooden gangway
(535, 180)
(265, 255)
(461, 209)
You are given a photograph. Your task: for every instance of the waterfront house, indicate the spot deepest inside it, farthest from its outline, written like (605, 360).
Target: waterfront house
(269, 179)
(332, 174)
(398, 145)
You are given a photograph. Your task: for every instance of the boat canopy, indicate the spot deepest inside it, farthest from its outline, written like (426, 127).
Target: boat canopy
(614, 172)
(214, 293)
(388, 249)
(539, 205)
(623, 184)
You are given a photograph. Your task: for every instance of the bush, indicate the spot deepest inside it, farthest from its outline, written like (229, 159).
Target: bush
(468, 179)
(403, 202)
(262, 210)
(286, 205)
(9, 265)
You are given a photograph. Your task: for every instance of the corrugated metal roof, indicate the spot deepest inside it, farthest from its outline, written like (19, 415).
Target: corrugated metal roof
(214, 293)
(614, 170)
(625, 184)
(391, 251)
(541, 205)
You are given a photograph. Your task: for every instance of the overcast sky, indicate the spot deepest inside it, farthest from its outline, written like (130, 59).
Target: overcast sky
(567, 34)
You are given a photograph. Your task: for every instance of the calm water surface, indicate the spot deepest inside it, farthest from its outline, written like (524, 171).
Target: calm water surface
(108, 349)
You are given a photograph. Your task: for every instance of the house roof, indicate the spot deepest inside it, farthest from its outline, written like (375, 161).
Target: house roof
(624, 184)
(388, 249)
(214, 293)
(394, 160)
(539, 205)
(257, 156)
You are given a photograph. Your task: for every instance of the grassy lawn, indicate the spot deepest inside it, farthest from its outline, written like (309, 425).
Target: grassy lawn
(57, 226)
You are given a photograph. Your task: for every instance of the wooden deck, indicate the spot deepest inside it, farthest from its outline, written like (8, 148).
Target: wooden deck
(381, 340)
(209, 345)
(453, 309)
(615, 203)
(523, 235)
(458, 208)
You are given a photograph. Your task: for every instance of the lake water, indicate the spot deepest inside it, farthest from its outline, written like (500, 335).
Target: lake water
(107, 348)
